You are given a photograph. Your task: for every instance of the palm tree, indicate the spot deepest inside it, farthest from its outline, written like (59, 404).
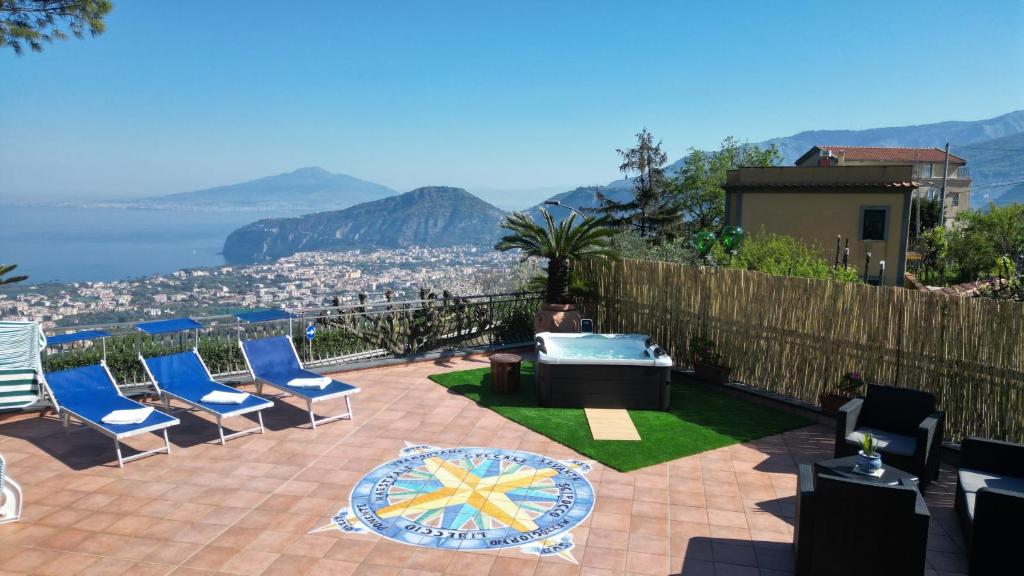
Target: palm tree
(6, 269)
(560, 243)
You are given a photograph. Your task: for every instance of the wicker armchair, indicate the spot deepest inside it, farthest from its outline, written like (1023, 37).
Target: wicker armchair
(854, 527)
(990, 500)
(906, 424)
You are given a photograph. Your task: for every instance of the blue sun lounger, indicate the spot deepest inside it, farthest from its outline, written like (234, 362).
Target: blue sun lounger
(274, 361)
(89, 393)
(185, 377)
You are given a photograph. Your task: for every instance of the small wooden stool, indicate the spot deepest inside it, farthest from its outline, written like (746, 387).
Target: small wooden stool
(505, 372)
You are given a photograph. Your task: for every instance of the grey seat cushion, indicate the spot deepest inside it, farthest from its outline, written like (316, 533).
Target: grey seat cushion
(887, 441)
(974, 480)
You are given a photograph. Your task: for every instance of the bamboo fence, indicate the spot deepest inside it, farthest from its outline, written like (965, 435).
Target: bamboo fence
(798, 337)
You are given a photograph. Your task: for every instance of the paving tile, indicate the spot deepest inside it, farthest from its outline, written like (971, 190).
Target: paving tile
(65, 564)
(249, 562)
(726, 518)
(109, 567)
(246, 508)
(517, 566)
(210, 557)
(606, 558)
(643, 563)
(613, 538)
(288, 565)
(469, 564)
(725, 569)
(327, 567)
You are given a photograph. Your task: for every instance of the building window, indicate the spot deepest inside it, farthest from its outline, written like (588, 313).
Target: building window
(926, 170)
(954, 198)
(873, 222)
(934, 193)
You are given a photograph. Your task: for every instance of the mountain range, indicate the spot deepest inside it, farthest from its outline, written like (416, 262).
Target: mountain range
(441, 216)
(430, 216)
(303, 190)
(993, 148)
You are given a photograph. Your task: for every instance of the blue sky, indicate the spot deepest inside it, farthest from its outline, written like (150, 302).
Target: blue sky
(187, 94)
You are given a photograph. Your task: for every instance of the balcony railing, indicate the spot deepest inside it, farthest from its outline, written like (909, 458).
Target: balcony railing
(343, 334)
(936, 173)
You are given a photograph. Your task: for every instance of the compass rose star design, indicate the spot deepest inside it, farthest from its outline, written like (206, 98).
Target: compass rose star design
(460, 486)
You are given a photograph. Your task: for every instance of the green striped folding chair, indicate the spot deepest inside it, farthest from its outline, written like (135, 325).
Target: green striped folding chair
(21, 344)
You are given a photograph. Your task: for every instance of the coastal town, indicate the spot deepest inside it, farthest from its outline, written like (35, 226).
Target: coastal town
(304, 280)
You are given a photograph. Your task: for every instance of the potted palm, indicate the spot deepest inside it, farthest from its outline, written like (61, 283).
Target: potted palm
(707, 362)
(560, 243)
(849, 384)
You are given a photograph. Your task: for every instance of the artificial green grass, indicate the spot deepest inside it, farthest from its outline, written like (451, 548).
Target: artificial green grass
(699, 418)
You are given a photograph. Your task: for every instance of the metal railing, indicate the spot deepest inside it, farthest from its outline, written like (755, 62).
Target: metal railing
(343, 334)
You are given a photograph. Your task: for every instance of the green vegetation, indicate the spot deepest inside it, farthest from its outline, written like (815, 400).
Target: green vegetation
(981, 244)
(784, 256)
(559, 243)
(931, 211)
(629, 244)
(699, 186)
(933, 246)
(868, 445)
(981, 237)
(653, 213)
(34, 22)
(512, 324)
(701, 418)
(6, 269)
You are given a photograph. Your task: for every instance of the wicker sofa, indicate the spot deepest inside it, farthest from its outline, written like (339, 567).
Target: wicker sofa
(990, 501)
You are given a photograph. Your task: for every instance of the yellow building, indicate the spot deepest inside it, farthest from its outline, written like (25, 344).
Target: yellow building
(927, 163)
(867, 205)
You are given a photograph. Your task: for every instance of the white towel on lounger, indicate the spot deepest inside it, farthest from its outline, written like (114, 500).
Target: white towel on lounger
(321, 382)
(222, 397)
(133, 416)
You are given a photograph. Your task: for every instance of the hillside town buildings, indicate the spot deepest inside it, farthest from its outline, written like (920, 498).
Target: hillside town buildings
(305, 280)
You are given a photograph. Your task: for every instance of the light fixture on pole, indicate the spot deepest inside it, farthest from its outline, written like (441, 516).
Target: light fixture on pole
(560, 205)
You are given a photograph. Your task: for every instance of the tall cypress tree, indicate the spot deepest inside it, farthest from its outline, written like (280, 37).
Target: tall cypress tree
(653, 212)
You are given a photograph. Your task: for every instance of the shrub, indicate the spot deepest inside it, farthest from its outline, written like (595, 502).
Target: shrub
(784, 256)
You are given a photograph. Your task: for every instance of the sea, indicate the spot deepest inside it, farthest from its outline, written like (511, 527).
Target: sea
(76, 244)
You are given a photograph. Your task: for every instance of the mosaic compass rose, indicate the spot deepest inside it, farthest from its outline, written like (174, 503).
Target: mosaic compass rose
(471, 499)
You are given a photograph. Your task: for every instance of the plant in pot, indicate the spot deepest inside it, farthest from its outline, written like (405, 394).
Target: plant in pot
(707, 362)
(849, 384)
(560, 243)
(869, 460)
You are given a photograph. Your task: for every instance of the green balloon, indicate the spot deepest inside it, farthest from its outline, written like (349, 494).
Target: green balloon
(731, 237)
(704, 241)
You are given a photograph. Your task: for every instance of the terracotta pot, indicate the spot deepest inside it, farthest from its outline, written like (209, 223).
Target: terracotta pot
(831, 403)
(711, 373)
(557, 318)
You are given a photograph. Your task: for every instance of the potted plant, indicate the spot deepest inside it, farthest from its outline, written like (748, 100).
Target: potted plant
(707, 362)
(848, 385)
(868, 458)
(560, 243)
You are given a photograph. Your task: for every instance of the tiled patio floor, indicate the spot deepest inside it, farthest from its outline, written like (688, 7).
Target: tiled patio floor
(245, 508)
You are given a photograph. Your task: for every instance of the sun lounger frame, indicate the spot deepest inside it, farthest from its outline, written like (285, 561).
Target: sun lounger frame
(310, 400)
(66, 414)
(166, 396)
(10, 510)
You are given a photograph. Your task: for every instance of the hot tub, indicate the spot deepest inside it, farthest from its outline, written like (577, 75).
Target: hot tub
(602, 371)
